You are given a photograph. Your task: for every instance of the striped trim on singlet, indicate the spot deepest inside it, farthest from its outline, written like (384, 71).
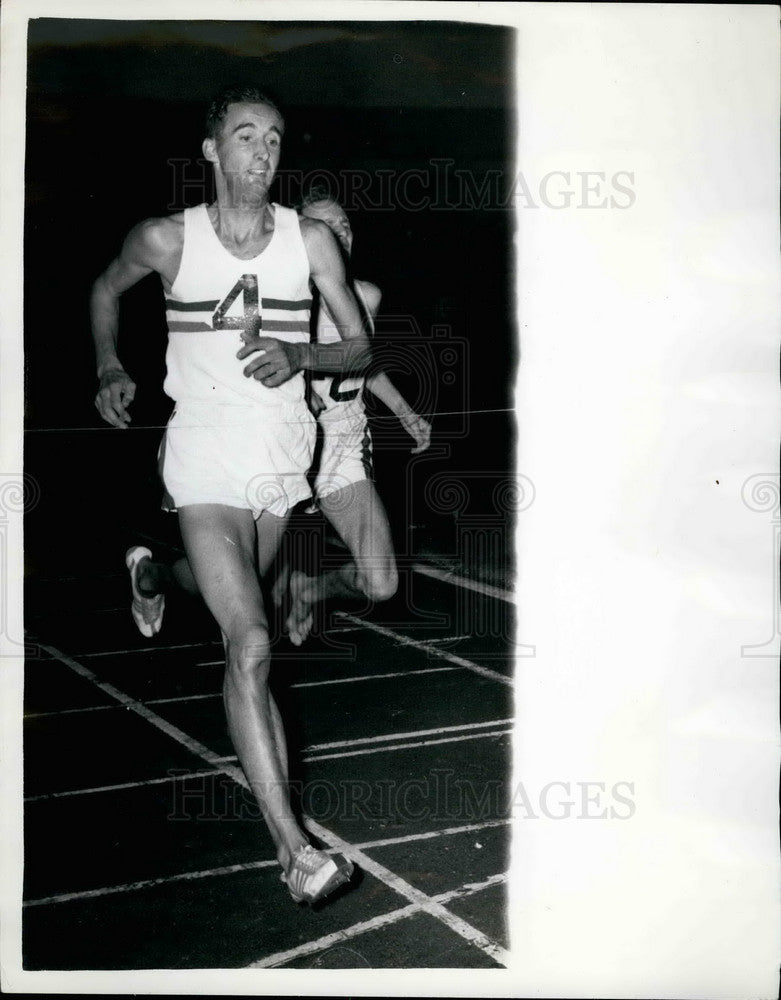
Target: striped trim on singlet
(202, 314)
(366, 453)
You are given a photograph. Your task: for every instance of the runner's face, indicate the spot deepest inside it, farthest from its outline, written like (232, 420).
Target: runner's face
(247, 150)
(334, 216)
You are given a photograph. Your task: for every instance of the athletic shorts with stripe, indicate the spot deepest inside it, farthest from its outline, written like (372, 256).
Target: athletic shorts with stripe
(346, 450)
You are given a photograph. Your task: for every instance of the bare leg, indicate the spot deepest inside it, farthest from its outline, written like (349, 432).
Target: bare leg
(357, 514)
(158, 577)
(221, 547)
(280, 741)
(270, 530)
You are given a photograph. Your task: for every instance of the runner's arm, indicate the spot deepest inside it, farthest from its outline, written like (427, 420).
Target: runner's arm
(274, 361)
(380, 385)
(142, 252)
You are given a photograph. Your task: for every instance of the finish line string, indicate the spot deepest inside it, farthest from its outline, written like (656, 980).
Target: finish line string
(162, 427)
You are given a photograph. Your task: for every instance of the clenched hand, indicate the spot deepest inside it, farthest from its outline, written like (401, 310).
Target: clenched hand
(273, 362)
(418, 428)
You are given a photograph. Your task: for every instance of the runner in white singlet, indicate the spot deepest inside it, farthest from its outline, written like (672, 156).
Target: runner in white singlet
(343, 485)
(233, 272)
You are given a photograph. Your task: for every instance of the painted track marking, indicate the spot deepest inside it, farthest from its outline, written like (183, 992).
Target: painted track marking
(375, 923)
(461, 927)
(141, 649)
(373, 677)
(403, 888)
(349, 680)
(201, 697)
(388, 737)
(405, 746)
(443, 654)
(465, 583)
(231, 758)
(120, 786)
(113, 708)
(335, 744)
(150, 883)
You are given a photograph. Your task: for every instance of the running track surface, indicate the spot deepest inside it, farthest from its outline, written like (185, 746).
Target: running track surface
(399, 724)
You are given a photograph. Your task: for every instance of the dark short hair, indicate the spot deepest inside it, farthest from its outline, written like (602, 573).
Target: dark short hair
(234, 94)
(318, 192)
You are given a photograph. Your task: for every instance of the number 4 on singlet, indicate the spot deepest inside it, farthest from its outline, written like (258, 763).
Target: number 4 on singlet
(250, 322)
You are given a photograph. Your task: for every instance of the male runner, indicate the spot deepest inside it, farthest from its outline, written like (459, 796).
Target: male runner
(239, 442)
(343, 485)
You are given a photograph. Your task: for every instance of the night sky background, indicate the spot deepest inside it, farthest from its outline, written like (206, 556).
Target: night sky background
(115, 115)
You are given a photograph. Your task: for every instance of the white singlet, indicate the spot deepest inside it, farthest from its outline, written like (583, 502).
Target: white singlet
(346, 449)
(232, 440)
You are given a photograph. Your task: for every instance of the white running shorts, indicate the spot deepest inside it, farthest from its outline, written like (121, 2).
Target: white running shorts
(346, 452)
(251, 457)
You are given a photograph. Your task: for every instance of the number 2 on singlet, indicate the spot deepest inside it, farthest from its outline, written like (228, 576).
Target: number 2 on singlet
(250, 322)
(337, 395)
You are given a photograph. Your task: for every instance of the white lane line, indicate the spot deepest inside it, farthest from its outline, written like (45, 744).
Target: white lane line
(426, 903)
(448, 638)
(432, 834)
(150, 883)
(373, 677)
(410, 734)
(145, 649)
(232, 758)
(69, 711)
(211, 663)
(353, 680)
(388, 737)
(388, 748)
(443, 654)
(470, 888)
(188, 742)
(280, 958)
(201, 697)
(184, 697)
(395, 882)
(446, 576)
(122, 786)
(383, 920)
(103, 708)
(339, 630)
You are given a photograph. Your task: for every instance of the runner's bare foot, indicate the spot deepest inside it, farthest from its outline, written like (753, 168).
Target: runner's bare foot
(300, 620)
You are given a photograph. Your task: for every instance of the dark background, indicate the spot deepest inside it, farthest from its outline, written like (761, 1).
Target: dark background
(115, 115)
